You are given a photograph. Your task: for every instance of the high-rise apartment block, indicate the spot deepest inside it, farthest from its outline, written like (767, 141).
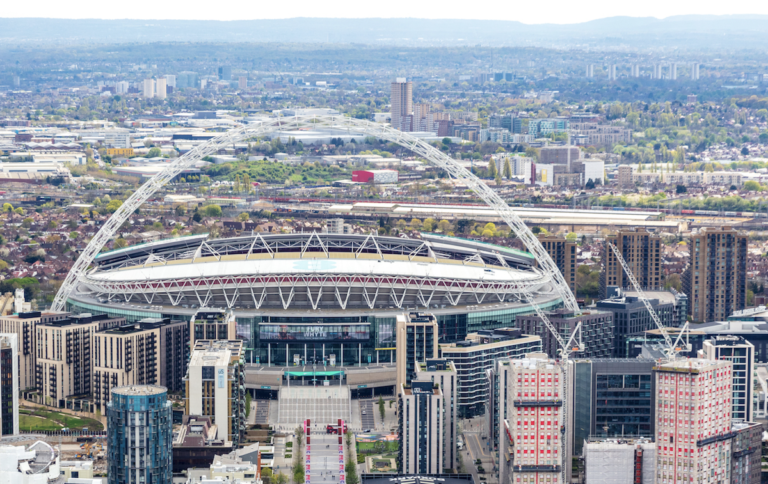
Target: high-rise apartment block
(443, 375)
(715, 278)
(401, 102)
(215, 385)
(631, 317)
(150, 352)
(212, 323)
(625, 176)
(416, 340)
(421, 412)
(741, 354)
(477, 354)
(64, 365)
(225, 73)
(24, 326)
(596, 331)
(140, 436)
(641, 250)
(148, 90)
(242, 83)
(9, 384)
(563, 254)
(693, 421)
(529, 399)
(746, 452)
(161, 88)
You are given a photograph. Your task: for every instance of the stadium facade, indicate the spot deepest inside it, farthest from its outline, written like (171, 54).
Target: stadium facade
(314, 298)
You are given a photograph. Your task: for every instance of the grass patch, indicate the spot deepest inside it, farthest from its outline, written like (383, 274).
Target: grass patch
(289, 445)
(288, 456)
(38, 419)
(377, 447)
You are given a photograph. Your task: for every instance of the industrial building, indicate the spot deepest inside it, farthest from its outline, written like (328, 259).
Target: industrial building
(376, 177)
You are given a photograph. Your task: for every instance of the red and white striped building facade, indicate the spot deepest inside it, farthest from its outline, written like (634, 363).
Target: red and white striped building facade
(693, 421)
(535, 441)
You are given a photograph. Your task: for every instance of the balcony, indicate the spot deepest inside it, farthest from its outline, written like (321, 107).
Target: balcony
(538, 403)
(539, 468)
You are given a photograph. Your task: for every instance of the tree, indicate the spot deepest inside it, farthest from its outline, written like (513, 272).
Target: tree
(590, 184)
(279, 478)
(507, 169)
(243, 217)
(680, 189)
(120, 243)
(154, 152)
(492, 168)
(18, 211)
(745, 151)
(3, 266)
(196, 217)
(73, 235)
(673, 281)
(571, 237)
(7, 207)
(113, 206)
(415, 224)
(180, 210)
(429, 225)
(27, 222)
(752, 186)
(381, 407)
(444, 226)
(212, 210)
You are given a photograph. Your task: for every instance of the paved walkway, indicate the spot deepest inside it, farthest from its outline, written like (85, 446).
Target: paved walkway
(325, 458)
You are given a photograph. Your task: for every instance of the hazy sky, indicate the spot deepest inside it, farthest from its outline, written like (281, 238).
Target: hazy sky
(552, 11)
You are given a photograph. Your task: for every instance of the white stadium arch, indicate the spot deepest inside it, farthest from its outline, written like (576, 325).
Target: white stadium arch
(380, 131)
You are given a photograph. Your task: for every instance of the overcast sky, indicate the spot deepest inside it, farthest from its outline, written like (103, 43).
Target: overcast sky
(551, 11)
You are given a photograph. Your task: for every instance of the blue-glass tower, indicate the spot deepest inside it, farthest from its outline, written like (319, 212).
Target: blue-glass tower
(140, 434)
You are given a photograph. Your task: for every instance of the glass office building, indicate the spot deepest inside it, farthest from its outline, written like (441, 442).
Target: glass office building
(140, 435)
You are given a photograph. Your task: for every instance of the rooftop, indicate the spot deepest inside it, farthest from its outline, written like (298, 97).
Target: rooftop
(139, 390)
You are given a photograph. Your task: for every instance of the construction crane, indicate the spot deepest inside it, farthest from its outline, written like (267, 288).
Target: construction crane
(671, 349)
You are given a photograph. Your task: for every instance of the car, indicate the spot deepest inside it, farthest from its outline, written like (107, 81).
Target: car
(367, 431)
(65, 429)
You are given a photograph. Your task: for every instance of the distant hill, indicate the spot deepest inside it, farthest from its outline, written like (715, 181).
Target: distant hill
(690, 31)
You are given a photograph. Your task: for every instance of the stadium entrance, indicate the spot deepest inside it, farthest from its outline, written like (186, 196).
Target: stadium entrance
(309, 376)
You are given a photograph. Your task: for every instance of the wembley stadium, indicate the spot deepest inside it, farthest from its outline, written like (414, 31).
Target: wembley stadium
(316, 293)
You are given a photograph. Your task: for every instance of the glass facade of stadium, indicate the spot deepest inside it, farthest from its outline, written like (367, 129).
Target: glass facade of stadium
(338, 340)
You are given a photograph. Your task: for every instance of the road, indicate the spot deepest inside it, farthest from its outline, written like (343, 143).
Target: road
(366, 414)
